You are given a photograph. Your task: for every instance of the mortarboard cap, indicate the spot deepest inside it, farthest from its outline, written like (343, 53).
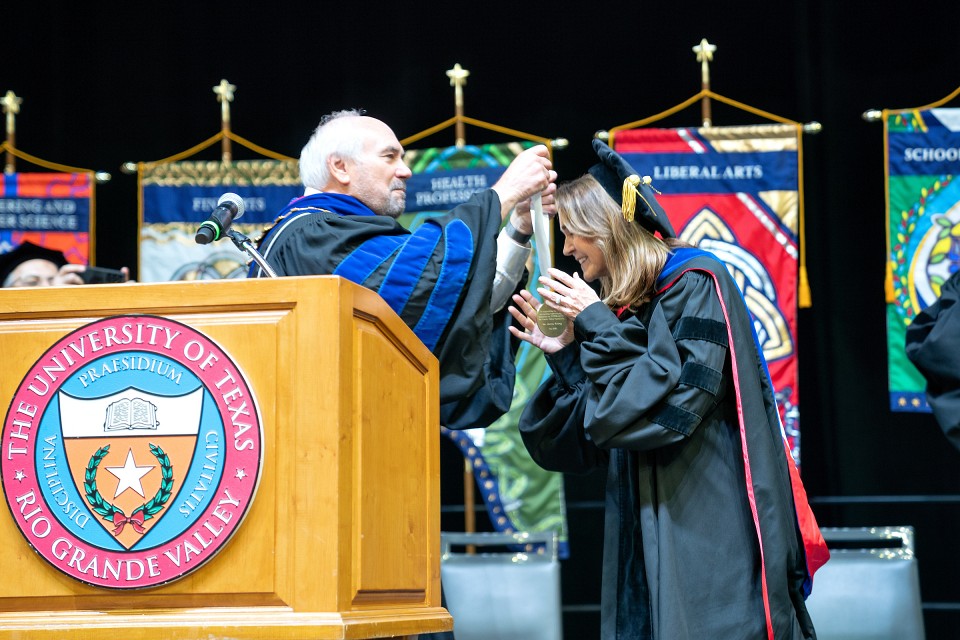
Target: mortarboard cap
(633, 193)
(28, 251)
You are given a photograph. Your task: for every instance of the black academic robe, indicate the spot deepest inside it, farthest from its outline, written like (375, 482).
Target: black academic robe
(438, 279)
(933, 346)
(700, 535)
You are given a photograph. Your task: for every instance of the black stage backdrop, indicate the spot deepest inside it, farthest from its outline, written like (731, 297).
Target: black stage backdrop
(104, 85)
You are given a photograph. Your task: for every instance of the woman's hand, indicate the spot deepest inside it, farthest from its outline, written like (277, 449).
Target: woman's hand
(567, 294)
(525, 313)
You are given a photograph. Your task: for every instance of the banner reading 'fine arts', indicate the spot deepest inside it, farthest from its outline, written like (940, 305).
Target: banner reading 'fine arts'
(176, 197)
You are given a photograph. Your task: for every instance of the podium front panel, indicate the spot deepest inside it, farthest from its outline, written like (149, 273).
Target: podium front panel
(341, 538)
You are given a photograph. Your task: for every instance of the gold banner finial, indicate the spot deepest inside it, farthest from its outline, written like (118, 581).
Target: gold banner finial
(11, 107)
(458, 77)
(224, 92)
(705, 52)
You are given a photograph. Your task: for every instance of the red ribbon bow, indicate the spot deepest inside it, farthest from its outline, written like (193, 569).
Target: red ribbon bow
(135, 521)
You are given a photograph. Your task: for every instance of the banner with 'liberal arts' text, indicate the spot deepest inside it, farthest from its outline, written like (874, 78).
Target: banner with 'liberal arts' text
(735, 192)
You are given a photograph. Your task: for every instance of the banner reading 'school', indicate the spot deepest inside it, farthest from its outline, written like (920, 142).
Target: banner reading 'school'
(53, 210)
(176, 197)
(923, 230)
(734, 191)
(518, 494)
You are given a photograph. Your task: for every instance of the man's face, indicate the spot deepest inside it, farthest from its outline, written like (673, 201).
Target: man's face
(379, 176)
(33, 273)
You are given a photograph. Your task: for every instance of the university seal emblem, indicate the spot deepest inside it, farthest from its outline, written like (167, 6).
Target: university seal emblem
(131, 452)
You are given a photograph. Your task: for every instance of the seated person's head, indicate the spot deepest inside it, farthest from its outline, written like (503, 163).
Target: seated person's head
(30, 265)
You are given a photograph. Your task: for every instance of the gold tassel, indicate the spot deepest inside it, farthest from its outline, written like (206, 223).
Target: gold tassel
(803, 291)
(629, 206)
(888, 283)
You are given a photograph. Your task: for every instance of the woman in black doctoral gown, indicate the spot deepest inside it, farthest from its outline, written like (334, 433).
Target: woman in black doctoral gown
(662, 382)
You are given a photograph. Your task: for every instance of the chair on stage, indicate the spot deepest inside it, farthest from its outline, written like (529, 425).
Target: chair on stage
(870, 588)
(502, 586)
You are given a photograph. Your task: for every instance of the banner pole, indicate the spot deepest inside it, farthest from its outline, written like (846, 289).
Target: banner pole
(705, 52)
(224, 92)
(11, 107)
(458, 78)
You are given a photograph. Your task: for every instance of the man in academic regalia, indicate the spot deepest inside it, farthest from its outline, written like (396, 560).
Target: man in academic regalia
(449, 280)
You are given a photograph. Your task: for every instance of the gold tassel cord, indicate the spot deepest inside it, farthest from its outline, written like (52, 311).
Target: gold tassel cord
(458, 77)
(933, 105)
(706, 93)
(483, 125)
(804, 297)
(53, 166)
(216, 138)
(257, 148)
(889, 294)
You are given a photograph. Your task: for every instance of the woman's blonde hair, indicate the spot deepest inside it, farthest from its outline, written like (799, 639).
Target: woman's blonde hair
(634, 256)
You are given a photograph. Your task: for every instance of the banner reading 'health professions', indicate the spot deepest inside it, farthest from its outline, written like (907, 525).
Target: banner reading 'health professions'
(53, 210)
(923, 218)
(176, 197)
(518, 494)
(734, 191)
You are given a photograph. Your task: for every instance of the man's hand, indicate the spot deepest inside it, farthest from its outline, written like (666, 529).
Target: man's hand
(520, 217)
(529, 173)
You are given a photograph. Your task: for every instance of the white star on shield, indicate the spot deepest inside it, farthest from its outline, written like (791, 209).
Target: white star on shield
(129, 475)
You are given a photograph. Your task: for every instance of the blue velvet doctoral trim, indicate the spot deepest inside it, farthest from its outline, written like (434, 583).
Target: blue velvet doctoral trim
(407, 268)
(458, 254)
(364, 260)
(676, 260)
(338, 203)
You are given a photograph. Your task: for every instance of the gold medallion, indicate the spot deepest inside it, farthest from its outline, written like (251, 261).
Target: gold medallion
(551, 322)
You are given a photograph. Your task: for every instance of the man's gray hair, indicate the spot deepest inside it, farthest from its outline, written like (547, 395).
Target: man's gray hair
(330, 137)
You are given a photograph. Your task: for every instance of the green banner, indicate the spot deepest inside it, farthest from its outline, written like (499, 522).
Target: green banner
(517, 493)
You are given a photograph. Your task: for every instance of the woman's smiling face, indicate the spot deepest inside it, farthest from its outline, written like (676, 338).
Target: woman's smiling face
(586, 252)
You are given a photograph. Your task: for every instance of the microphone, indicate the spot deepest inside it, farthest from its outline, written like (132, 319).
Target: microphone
(229, 208)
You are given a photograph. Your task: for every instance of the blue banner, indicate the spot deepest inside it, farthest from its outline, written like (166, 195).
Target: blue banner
(442, 191)
(193, 203)
(176, 197)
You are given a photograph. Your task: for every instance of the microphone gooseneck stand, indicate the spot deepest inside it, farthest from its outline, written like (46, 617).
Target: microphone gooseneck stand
(243, 243)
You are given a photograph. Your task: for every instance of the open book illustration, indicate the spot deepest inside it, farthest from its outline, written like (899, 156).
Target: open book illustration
(131, 413)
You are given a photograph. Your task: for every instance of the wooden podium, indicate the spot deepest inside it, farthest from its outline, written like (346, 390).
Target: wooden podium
(341, 539)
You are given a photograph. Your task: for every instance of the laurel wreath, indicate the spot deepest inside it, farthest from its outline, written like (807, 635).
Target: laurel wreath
(150, 508)
(906, 226)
